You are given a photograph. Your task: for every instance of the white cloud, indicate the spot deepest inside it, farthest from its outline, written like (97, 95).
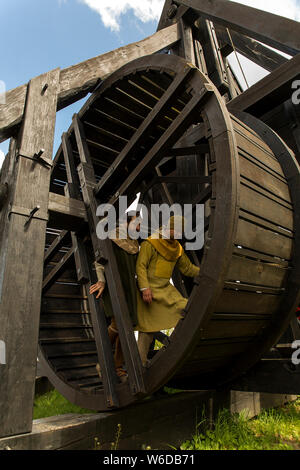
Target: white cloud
(1, 158)
(111, 10)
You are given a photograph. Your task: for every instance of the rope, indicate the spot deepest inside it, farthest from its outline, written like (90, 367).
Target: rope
(237, 57)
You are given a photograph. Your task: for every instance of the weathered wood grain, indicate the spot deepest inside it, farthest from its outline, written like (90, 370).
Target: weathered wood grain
(274, 88)
(278, 32)
(253, 50)
(22, 258)
(66, 213)
(120, 308)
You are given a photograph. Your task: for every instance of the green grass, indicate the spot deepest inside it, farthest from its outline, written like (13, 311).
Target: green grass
(274, 429)
(54, 404)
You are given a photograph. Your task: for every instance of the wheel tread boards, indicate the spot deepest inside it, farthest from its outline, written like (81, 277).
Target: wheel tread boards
(259, 268)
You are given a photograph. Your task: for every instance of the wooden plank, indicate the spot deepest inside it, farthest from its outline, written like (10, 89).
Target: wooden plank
(251, 287)
(216, 70)
(251, 170)
(258, 155)
(261, 239)
(66, 213)
(276, 31)
(258, 204)
(253, 50)
(80, 79)
(185, 47)
(209, 349)
(12, 111)
(22, 258)
(120, 308)
(7, 178)
(256, 255)
(274, 88)
(247, 302)
(219, 327)
(249, 271)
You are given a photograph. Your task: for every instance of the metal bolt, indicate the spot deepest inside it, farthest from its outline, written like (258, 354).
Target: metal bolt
(172, 11)
(44, 88)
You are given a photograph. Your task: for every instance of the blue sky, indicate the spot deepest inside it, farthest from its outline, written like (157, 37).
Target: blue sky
(40, 35)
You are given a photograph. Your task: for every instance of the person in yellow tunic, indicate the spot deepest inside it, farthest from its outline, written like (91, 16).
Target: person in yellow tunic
(125, 250)
(159, 304)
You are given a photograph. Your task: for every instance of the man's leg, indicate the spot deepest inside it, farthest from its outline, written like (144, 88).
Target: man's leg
(113, 330)
(114, 337)
(144, 341)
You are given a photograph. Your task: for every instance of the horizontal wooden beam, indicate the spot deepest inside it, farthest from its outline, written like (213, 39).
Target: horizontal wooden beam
(80, 79)
(253, 50)
(278, 32)
(269, 92)
(66, 213)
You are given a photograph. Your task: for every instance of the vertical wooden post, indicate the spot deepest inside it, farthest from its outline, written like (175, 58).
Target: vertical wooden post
(23, 253)
(117, 295)
(84, 274)
(72, 190)
(186, 46)
(212, 53)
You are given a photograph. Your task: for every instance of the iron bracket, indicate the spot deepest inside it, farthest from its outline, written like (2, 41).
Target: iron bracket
(38, 158)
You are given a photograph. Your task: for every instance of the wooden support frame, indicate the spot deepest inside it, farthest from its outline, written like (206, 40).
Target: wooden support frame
(186, 46)
(24, 246)
(22, 258)
(278, 32)
(251, 49)
(66, 213)
(275, 87)
(205, 33)
(120, 308)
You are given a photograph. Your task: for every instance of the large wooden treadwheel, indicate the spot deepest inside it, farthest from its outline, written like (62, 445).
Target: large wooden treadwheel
(159, 126)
